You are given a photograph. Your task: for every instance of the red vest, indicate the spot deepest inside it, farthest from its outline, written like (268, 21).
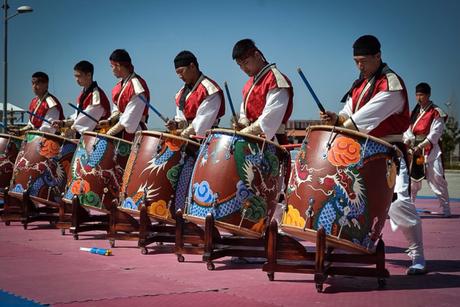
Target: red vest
(394, 124)
(122, 95)
(422, 125)
(103, 100)
(41, 108)
(200, 92)
(268, 79)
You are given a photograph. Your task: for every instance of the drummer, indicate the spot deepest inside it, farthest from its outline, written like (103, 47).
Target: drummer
(92, 100)
(377, 104)
(43, 105)
(267, 95)
(130, 97)
(199, 103)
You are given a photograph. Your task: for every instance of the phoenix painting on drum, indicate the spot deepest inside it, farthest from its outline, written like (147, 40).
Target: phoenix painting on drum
(328, 188)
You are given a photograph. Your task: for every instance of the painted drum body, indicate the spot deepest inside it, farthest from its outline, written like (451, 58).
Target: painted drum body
(343, 181)
(42, 166)
(158, 174)
(238, 178)
(9, 150)
(96, 170)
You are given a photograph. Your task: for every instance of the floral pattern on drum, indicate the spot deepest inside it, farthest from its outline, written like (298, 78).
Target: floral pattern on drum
(331, 186)
(42, 165)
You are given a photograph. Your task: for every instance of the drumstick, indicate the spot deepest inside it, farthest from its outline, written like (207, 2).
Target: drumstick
(82, 112)
(230, 102)
(165, 119)
(39, 117)
(318, 103)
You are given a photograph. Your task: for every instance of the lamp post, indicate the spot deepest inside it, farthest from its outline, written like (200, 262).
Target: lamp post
(20, 10)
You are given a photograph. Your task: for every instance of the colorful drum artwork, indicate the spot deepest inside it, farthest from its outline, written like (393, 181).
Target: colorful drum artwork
(158, 174)
(42, 166)
(238, 178)
(96, 171)
(9, 150)
(343, 181)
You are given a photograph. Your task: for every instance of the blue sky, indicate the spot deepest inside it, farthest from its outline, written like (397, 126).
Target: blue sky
(420, 41)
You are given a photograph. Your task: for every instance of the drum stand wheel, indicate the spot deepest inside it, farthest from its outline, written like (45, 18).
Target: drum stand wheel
(151, 231)
(382, 282)
(189, 238)
(271, 276)
(62, 231)
(319, 287)
(210, 266)
(83, 221)
(112, 243)
(217, 246)
(7, 223)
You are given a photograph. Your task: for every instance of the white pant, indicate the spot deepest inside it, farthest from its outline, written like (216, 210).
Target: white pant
(403, 215)
(434, 174)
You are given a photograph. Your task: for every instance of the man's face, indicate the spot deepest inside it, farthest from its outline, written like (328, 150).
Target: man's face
(250, 65)
(39, 86)
(368, 64)
(187, 73)
(422, 98)
(118, 70)
(83, 79)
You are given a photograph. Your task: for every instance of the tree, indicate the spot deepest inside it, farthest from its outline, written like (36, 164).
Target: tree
(450, 138)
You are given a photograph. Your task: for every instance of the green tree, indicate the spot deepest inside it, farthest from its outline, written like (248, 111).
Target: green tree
(450, 139)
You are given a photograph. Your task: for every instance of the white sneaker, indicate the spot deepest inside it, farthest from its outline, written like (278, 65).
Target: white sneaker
(417, 267)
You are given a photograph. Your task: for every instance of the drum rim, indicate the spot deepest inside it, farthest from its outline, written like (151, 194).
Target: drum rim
(349, 131)
(169, 135)
(258, 138)
(92, 133)
(50, 135)
(9, 136)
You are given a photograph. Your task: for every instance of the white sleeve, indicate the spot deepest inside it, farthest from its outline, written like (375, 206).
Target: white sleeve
(377, 109)
(242, 111)
(179, 115)
(83, 123)
(132, 116)
(347, 110)
(51, 115)
(409, 137)
(273, 112)
(114, 109)
(436, 129)
(206, 114)
(73, 116)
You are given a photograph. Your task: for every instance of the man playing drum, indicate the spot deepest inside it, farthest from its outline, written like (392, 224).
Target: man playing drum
(43, 106)
(377, 104)
(199, 103)
(267, 95)
(423, 136)
(92, 100)
(130, 97)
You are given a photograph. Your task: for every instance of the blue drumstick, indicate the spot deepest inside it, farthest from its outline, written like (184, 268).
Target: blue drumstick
(82, 112)
(318, 103)
(230, 100)
(39, 117)
(153, 109)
